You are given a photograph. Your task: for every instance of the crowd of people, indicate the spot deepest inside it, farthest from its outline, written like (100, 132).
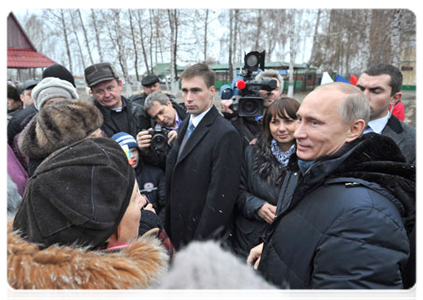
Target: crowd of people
(116, 192)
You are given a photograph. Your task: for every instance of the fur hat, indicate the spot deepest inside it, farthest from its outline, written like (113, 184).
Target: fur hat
(77, 196)
(59, 71)
(52, 87)
(57, 125)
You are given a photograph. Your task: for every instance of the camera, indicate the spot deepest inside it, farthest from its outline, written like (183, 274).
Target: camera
(159, 137)
(244, 89)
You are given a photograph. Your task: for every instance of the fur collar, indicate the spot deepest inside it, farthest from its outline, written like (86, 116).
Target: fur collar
(139, 265)
(373, 158)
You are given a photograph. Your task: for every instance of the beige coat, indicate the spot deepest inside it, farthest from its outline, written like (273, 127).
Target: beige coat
(139, 265)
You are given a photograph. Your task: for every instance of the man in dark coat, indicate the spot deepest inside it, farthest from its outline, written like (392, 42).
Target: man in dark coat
(120, 115)
(150, 83)
(203, 167)
(168, 114)
(382, 86)
(347, 204)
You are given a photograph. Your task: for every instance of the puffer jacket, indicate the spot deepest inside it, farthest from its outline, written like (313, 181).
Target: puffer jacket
(345, 224)
(260, 184)
(139, 265)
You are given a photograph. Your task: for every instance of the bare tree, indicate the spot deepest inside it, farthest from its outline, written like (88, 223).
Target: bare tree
(173, 24)
(75, 33)
(59, 20)
(315, 38)
(231, 38)
(366, 44)
(292, 51)
(142, 38)
(206, 23)
(396, 38)
(84, 30)
(134, 42)
(97, 35)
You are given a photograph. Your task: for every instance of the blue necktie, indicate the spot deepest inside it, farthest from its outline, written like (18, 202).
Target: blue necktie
(188, 133)
(190, 129)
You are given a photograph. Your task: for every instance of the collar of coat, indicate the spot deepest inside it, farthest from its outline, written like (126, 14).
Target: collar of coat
(139, 265)
(373, 158)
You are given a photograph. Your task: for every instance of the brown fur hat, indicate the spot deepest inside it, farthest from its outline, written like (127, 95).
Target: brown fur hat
(61, 123)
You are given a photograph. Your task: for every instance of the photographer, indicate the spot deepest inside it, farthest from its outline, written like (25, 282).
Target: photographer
(249, 126)
(166, 116)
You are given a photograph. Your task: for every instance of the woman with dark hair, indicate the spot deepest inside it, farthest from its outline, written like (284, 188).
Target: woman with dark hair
(263, 172)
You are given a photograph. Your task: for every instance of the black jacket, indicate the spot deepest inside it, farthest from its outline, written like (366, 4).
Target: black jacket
(151, 182)
(260, 183)
(342, 226)
(19, 121)
(132, 119)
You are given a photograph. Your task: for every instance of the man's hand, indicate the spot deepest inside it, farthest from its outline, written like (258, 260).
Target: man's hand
(172, 135)
(267, 212)
(255, 255)
(144, 140)
(225, 106)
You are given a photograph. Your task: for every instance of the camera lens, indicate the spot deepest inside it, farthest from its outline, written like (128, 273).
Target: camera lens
(159, 141)
(250, 107)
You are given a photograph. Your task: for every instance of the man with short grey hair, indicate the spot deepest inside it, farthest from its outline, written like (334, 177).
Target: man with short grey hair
(270, 96)
(347, 204)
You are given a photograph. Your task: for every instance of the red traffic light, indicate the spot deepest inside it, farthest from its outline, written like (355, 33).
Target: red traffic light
(240, 84)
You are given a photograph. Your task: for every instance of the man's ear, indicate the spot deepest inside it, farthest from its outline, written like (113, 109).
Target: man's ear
(395, 98)
(212, 89)
(355, 130)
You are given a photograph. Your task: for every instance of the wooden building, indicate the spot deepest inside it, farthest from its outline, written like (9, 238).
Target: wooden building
(22, 57)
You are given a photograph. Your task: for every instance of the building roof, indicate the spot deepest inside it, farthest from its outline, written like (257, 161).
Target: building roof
(27, 58)
(21, 53)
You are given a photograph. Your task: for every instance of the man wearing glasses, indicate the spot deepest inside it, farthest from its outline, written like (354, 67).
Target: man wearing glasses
(120, 115)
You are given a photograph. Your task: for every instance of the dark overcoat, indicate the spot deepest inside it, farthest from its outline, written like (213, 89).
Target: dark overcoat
(202, 183)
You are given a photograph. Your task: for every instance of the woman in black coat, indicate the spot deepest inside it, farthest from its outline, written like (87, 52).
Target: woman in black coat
(263, 172)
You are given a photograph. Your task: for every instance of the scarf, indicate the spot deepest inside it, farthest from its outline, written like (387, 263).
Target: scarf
(281, 156)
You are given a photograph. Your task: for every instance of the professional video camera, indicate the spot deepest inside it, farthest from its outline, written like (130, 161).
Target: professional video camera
(244, 89)
(159, 137)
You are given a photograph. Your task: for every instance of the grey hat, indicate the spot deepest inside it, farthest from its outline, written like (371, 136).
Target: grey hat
(100, 72)
(149, 80)
(52, 87)
(28, 85)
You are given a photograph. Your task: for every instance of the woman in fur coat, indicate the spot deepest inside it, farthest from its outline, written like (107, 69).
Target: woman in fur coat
(263, 172)
(78, 225)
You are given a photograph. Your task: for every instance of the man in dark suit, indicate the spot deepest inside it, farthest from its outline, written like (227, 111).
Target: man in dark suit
(382, 86)
(203, 167)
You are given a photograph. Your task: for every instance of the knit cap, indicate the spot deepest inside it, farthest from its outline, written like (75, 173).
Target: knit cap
(52, 87)
(60, 72)
(59, 124)
(77, 196)
(123, 138)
